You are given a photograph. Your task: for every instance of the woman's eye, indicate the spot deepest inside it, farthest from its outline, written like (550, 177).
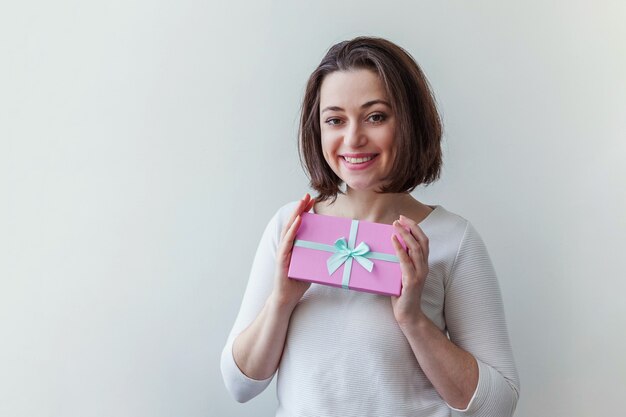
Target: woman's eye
(333, 121)
(377, 118)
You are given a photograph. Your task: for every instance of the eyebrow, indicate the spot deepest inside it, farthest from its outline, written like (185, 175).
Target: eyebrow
(368, 104)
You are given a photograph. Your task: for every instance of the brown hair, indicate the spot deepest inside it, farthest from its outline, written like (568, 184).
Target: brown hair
(418, 130)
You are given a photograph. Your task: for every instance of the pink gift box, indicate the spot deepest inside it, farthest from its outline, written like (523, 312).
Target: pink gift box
(346, 253)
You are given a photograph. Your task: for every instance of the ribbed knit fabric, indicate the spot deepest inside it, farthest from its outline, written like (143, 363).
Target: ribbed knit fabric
(346, 356)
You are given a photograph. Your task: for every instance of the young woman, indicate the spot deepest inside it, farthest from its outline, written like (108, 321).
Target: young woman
(369, 123)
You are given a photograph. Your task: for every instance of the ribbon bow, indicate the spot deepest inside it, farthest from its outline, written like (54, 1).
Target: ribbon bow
(343, 253)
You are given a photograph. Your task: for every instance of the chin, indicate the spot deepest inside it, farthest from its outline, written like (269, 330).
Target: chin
(361, 186)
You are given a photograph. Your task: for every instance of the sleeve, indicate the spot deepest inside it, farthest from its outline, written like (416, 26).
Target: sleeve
(476, 323)
(260, 284)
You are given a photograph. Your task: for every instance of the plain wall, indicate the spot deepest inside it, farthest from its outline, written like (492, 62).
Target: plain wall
(144, 146)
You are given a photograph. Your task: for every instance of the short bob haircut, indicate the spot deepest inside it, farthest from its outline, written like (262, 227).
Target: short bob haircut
(418, 127)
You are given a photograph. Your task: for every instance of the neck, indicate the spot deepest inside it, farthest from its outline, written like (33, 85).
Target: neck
(373, 207)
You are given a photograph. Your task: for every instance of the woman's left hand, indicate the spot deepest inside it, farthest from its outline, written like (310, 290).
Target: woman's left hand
(407, 308)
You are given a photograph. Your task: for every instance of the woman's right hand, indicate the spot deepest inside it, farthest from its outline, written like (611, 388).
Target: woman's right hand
(287, 291)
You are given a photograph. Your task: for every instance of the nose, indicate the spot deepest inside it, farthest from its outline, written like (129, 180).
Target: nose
(354, 136)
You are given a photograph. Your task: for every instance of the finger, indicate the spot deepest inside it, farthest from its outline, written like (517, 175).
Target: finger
(286, 245)
(400, 251)
(406, 263)
(415, 251)
(294, 229)
(418, 233)
(291, 233)
(420, 259)
(301, 204)
(310, 205)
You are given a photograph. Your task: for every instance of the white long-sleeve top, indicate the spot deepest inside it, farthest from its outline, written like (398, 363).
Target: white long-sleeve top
(345, 354)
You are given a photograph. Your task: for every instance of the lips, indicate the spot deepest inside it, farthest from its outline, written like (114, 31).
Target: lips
(358, 160)
(358, 155)
(361, 161)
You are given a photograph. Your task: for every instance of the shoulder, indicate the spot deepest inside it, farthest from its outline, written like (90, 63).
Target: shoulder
(466, 251)
(461, 229)
(281, 215)
(446, 225)
(273, 228)
(284, 211)
(455, 237)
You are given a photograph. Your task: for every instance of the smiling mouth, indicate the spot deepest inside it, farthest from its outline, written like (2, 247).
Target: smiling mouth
(359, 160)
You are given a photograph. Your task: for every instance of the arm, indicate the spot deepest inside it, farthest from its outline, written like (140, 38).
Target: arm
(255, 344)
(474, 371)
(452, 371)
(476, 323)
(258, 349)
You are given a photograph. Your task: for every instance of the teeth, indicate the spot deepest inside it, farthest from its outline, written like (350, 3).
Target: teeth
(358, 160)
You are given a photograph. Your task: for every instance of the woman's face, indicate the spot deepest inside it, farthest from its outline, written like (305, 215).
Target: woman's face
(357, 127)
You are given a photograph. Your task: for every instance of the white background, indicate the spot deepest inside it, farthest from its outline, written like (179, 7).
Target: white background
(144, 145)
